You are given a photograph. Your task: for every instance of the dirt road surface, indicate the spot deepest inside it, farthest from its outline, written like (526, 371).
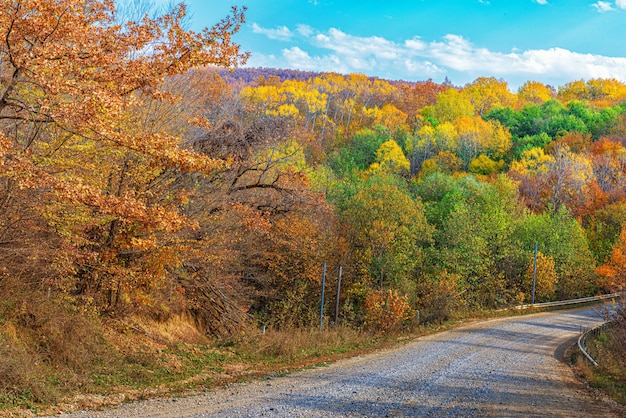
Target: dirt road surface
(499, 368)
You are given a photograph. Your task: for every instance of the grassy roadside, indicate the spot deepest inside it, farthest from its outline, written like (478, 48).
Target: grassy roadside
(54, 360)
(70, 364)
(609, 350)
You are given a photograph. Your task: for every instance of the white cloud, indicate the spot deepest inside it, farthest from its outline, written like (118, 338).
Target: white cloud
(281, 33)
(457, 53)
(415, 44)
(305, 30)
(620, 4)
(300, 59)
(353, 46)
(416, 58)
(603, 6)
(543, 2)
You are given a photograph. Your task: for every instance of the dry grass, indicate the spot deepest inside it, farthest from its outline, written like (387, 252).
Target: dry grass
(54, 357)
(609, 349)
(297, 344)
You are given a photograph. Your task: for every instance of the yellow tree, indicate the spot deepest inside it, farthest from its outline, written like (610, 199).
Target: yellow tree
(391, 159)
(477, 136)
(429, 142)
(545, 281)
(452, 105)
(606, 92)
(549, 181)
(534, 92)
(485, 93)
(388, 116)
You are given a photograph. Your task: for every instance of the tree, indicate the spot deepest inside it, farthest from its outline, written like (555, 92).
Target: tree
(562, 238)
(390, 158)
(484, 165)
(414, 97)
(485, 93)
(603, 228)
(613, 273)
(476, 241)
(359, 152)
(75, 85)
(429, 142)
(477, 137)
(534, 92)
(550, 181)
(545, 280)
(609, 166)
(388, 227)
(451, 104)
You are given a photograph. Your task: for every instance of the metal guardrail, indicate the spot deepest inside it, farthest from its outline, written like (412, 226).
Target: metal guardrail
(569, 302)
(582, 340)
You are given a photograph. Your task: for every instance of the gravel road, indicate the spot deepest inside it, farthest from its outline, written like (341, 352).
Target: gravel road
(502, 367)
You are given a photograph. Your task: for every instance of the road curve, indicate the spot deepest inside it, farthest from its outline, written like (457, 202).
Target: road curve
(502, 367)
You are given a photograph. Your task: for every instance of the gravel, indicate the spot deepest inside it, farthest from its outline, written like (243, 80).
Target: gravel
(502, 367)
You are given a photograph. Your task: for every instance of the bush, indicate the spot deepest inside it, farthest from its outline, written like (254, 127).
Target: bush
(386, 310)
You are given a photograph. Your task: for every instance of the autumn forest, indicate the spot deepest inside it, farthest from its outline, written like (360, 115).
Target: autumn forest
(140, 177)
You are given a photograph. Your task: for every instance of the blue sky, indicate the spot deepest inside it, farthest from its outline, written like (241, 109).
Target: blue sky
(551, 41)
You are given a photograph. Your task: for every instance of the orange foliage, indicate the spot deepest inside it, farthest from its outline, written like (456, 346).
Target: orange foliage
(71, 73)
(80, 126)
(417, 96)
(613, 273)
(386, 310)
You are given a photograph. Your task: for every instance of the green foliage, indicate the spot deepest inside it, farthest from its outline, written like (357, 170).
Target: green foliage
(562, 238)
(604, 228)
(528, 142)
(474, 240)
(359, 152)
(388, 228)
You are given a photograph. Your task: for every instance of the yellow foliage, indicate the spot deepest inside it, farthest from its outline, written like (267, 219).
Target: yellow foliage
(486, 93)
(545, 284)
(533, 161)
(452, 105)
(534, 92)
(485, 165)
(390, 158)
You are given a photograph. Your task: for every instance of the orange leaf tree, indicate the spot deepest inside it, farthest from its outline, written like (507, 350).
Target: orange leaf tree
(74, 88)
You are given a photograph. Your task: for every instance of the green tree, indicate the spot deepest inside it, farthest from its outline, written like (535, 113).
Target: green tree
(475, 222)
(562, 238)
(388, 228)
(359, 152)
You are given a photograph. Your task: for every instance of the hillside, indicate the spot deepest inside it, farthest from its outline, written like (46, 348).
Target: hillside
(150, 205)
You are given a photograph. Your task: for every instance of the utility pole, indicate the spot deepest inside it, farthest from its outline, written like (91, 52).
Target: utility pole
(337, 300)
(322, 303)
(535, 272)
